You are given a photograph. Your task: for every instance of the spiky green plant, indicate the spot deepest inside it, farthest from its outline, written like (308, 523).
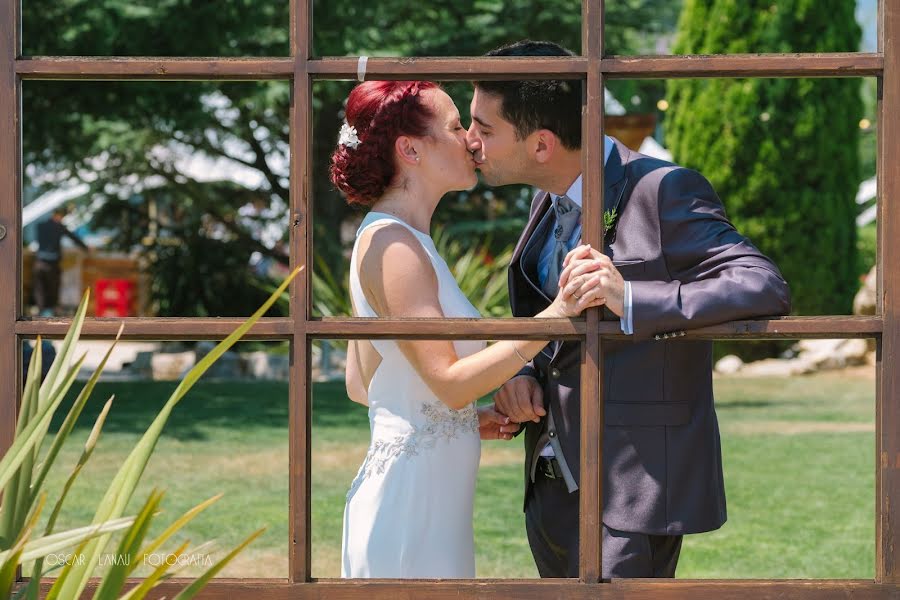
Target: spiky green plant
(22, 479)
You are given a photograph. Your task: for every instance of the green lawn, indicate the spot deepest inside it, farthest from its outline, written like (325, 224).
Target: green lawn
(798, 458)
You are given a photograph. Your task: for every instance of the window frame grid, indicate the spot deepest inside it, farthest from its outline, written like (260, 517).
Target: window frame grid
(301, 329)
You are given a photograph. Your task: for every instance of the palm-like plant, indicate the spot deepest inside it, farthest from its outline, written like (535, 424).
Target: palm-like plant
(481, 277)
(22, 479)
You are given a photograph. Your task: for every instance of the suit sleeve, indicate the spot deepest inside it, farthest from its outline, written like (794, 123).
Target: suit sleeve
(716, 274)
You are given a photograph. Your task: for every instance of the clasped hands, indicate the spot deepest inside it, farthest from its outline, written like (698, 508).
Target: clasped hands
(521, 399)
(585, 269)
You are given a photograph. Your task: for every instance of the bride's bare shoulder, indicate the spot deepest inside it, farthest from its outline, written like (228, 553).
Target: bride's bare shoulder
(391, 247)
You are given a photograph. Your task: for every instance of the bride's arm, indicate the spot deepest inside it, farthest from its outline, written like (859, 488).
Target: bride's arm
(356, 389)
(362, 362)
(399, 281)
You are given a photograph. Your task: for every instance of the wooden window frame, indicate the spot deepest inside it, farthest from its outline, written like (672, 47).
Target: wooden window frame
(301, 328)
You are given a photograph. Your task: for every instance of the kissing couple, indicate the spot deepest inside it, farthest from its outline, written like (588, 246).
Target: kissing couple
(675, 263)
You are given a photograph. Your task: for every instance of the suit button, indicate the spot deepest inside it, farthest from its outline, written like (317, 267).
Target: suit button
(552, 433)
(554, 373)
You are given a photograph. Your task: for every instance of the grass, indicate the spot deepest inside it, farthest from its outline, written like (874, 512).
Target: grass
(798, 454)
(800, 479)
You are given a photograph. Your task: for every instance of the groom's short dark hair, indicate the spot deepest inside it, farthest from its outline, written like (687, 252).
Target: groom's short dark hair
(553, 104)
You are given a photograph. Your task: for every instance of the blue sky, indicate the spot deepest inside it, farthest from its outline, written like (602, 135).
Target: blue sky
(866, 11)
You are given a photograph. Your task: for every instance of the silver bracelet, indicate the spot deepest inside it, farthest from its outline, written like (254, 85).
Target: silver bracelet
(516, 350)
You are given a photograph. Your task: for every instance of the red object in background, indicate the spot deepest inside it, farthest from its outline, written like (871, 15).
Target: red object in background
(115, 297)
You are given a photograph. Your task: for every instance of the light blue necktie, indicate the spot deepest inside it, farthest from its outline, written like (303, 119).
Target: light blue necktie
(567, 216)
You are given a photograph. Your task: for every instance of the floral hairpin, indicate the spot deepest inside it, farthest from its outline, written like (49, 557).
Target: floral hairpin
(348, 136)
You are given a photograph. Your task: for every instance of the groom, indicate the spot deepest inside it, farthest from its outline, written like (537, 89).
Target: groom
(672, 261)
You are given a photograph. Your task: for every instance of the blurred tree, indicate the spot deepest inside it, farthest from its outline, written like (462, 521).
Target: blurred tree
(126, 139)
(782, 153)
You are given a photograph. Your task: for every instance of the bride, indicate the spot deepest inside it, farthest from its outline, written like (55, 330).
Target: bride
(409, 510)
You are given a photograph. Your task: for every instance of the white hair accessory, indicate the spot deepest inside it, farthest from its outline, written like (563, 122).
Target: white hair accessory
(361, 68)
(348, 136)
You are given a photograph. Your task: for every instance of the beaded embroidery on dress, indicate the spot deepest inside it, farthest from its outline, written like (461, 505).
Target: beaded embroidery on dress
(409, 510)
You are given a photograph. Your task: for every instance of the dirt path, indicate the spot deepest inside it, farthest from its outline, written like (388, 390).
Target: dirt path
(796, 427)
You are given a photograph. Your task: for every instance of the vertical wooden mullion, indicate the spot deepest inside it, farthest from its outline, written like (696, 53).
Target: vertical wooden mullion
(591, 489)
(887, 562)
(300, 391)
(10, 221)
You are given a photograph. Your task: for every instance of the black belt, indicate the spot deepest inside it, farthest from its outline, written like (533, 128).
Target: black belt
(548, 467)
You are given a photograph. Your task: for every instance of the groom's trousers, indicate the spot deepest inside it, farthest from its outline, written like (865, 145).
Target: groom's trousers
(551, 521)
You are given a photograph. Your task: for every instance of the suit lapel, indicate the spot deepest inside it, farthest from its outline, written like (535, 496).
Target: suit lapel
(615, 183)
(541, 204)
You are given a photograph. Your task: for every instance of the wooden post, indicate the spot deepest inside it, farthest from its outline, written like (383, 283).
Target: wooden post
(300, 390)
(591, 488)
(887, 551)
(10, 222)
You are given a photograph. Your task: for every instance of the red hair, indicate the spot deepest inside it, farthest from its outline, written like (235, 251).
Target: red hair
(381, 111)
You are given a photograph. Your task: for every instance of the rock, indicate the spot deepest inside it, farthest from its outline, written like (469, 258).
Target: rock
(173, 346)
(776, 367)
(228, 366)
(204, 347)
(263, 365)
(728, 365)
(279, 367)
(833, 354)
(142, 365)
(256, 364)
(167, 366)
(855, 351)
(865, 300)
(812, 356)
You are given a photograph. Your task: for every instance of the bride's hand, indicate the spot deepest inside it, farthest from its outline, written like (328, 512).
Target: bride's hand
(494, 426)
(568, 304)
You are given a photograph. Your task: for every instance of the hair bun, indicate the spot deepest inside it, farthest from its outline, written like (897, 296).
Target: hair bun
(380, 111)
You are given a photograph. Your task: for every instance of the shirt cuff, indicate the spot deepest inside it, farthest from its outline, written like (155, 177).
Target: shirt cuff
(626, 321)
(528, 370)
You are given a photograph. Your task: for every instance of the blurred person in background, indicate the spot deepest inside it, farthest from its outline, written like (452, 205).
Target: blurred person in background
(46, 273)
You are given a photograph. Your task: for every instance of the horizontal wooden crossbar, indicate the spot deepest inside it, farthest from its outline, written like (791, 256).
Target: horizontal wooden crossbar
(173, 328)
(453, 68)
(280, 589)
(744, 65)
(159, 328)
(89, 67)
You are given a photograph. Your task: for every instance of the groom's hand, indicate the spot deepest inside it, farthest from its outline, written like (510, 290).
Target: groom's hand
(521, 399)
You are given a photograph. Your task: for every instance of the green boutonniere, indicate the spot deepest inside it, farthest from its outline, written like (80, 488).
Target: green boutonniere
(609, 221)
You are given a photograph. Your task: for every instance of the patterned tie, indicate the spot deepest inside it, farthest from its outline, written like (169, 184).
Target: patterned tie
(568, 215)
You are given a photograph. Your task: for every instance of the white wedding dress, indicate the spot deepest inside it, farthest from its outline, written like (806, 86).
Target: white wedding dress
(409, 510)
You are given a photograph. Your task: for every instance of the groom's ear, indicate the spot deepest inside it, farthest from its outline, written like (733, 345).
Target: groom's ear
(405, 149)
(542, 144)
